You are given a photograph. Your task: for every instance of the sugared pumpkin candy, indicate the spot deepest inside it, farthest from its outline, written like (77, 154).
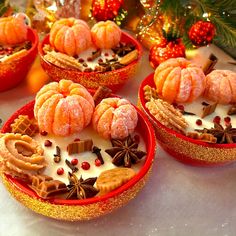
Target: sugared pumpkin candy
(106, 34)
(13, 30)
(221, 86)
(63, 108)
(179, 80)
(70, 36)
(114, 118)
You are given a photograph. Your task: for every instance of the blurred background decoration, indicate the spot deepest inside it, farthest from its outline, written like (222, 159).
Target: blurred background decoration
(193, 23)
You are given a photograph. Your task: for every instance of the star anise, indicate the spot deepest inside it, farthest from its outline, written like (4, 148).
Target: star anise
(125, 152)
(81, 189)
(223, 135)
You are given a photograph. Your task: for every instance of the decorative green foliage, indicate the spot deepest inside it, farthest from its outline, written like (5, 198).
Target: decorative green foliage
(222, 13)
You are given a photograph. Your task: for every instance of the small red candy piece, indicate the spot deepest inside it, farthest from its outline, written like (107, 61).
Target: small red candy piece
(81, 60)
(106, 54)
(60, 171)
(77, 139)
(89, 59)
(47, 143)
(199, 122)
(97, 162)
(227, 119)
(180, 107)
(217, 119)
(74, 162)
(85, 165)
(44, 133)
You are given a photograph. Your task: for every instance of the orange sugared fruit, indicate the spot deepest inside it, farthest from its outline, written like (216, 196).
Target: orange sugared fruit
(114, 118)
(63, 108)
(70, 36)
(106, 34)
(221, 86)
(179, 80)
(13, 30)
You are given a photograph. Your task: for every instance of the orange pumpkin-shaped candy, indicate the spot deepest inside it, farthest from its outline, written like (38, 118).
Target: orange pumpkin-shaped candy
(179, 80)
(106, 34)
(114, 118)
(13, 30)
(63, 108)
(221, 86)
(70, 36)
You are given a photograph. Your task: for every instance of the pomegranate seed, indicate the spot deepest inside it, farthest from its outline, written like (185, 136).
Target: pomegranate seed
(60, 171)
(89, 59)
(81, 60)
(47, 143)
(227, 119)
(180, 107)
(199, 122)
(100, 60)
(106, 54)
(44, 133)
(97, 162)
(85, 165)
(216, 119)
(74, 162)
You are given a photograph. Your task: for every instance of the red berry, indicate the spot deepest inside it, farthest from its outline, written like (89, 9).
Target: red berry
(180, 107)
(216, 119)
(44, 133)
(60, 171)
(85, 165)
(74, 162)
(227, 119)
(199, 122)
(77, 139)
(97, 162)
(47, 143)
(89, 59)
(106, 54)
(100, 60)
(81, 60)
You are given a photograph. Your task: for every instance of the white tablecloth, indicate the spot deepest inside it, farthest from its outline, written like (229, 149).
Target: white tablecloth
(177, 200)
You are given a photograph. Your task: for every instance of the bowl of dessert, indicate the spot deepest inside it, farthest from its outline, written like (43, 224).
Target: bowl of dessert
(192, 113)
(103, 55)
(18, 49)
(76, 155)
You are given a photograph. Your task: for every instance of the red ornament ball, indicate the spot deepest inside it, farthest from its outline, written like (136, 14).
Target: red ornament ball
(201, 33)
(106, 9)
(165, 50)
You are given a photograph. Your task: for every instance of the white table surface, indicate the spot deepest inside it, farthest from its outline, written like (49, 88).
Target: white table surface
(177, 200)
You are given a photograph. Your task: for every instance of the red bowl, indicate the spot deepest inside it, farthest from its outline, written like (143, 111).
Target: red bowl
(13, 72)
(88, 208)
(92, 80)
(185, 149)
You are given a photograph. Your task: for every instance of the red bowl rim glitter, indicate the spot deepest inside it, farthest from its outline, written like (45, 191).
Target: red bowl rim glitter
(149, 81)
(150, 147)
(125, 35)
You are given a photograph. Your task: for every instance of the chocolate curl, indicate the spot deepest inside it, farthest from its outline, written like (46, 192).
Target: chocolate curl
(210, 63)
(101, 92)
(80, 146)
